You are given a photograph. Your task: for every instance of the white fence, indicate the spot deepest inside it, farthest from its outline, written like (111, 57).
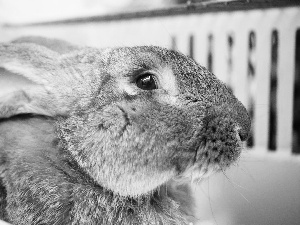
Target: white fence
(257, 52)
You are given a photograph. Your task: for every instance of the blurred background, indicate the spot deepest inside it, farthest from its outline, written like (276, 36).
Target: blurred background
(253, 46)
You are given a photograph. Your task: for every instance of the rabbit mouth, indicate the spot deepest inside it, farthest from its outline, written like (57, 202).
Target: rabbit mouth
(220, 146)
(208, 162)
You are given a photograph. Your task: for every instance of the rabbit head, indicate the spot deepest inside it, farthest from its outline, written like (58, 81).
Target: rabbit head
(132, 118)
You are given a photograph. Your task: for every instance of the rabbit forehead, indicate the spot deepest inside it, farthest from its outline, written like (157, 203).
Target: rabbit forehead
(193, 79)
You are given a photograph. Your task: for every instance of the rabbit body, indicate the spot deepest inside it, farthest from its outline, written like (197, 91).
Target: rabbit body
(101, 135)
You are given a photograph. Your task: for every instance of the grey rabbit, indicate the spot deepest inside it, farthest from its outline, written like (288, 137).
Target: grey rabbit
(109, 136)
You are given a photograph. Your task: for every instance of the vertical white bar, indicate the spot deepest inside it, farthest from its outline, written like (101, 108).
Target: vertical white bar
(240, 54)
(286, 74)
(263, 70)
(220, 53)
(161, 33)
(233, 24)
(190, 28)
(202, 30)
(180, 31)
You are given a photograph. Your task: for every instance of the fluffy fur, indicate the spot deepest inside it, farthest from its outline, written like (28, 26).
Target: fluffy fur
(85, 145)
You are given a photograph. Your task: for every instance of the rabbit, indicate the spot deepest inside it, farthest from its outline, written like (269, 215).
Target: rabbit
(110, 136)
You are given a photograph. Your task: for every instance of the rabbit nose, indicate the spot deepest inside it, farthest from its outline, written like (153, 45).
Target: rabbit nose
(240, 115)
(237, 113)
(242, 118)
(243, 134)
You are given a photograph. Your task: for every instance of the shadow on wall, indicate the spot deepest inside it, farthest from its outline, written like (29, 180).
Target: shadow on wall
(296, 124)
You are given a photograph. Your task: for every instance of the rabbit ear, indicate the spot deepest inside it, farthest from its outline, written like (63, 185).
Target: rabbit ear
(27, 72)
(34, 62)
(56, 45)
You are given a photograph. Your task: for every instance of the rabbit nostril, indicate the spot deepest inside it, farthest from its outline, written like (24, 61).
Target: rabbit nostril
(243, 135)
(100, 126)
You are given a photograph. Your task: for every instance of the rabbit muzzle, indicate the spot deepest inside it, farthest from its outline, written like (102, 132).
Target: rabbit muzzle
(222, 134)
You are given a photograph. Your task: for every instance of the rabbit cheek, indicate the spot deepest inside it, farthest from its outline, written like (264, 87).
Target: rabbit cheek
(114, 120)
(124, 162)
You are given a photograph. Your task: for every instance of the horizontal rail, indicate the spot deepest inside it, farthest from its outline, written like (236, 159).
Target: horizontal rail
(183, 9)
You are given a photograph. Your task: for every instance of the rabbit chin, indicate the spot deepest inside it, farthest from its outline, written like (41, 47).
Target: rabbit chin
(197, 173)
(136, 185)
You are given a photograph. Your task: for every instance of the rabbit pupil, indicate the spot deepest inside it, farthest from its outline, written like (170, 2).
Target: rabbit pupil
(146, 82)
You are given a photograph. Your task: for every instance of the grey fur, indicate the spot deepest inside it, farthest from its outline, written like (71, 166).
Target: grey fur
(85, 145)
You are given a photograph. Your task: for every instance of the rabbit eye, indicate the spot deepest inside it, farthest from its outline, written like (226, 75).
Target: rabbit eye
(147, 82)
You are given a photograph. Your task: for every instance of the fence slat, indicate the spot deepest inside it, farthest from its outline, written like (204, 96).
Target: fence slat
(263, 64)
(286, 66)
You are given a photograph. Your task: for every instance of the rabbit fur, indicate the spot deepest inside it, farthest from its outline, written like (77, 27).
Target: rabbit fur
(109, 136)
